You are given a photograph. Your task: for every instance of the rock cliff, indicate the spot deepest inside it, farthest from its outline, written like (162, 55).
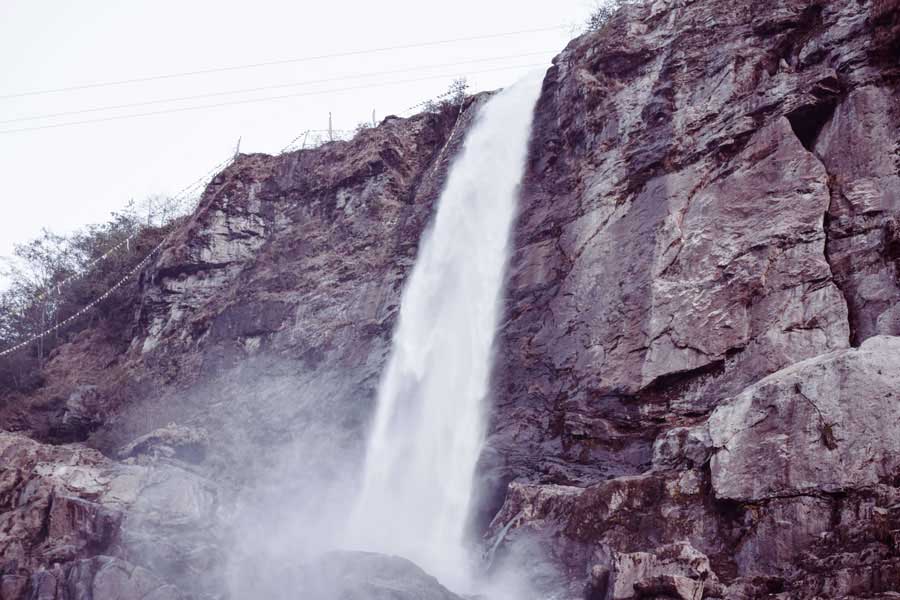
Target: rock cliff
(698, 377)
(702, 283)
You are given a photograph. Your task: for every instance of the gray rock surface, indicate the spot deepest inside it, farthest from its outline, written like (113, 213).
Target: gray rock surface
(673, 571)
(859, 147)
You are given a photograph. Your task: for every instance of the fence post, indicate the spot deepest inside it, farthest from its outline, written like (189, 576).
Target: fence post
(41, 339)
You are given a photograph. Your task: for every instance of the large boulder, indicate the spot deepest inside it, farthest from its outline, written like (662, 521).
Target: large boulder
(369, 576)
(344, 575)
(824, 425)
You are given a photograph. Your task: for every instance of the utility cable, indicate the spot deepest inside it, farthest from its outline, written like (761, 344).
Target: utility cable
(256, 100)
(281, 62)
(269, 87)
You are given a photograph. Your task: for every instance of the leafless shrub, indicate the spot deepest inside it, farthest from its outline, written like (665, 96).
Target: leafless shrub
(53, 276)
(603, 11)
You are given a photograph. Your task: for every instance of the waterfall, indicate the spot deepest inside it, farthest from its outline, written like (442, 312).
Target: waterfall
(429, 425)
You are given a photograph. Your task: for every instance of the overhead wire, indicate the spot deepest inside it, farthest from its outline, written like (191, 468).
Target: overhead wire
(270, 87)
(257, 100)
(302, 59)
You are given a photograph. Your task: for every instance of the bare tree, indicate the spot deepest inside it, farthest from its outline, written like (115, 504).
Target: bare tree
(603, 11)
(53, 276)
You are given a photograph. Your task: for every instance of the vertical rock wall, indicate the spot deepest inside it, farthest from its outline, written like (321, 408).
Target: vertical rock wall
(712, 201)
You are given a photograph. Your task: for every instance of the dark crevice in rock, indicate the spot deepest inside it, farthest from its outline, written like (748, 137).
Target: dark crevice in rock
(187, 269)
(808, 121)
(830, 237)
(891, 230)
(826, 428)
(671, 387)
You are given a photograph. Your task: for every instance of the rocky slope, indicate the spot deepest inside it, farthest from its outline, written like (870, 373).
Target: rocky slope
(698, 379)
(259, 337)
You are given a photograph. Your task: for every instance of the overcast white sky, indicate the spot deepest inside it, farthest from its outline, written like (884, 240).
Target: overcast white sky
(65, 177)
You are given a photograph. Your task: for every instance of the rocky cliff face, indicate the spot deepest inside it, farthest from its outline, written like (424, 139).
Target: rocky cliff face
(706, 237)
(698, 377)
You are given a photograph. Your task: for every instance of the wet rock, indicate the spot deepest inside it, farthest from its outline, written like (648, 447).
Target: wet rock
(584, 530)
(684, 447)
(101, 577)
(84, 411)
(173, 441)
(367, 576)
(344, 575)
(48, 508)
(63, 505)
(756, 489)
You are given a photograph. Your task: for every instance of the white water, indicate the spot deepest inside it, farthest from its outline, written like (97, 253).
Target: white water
(429, 425)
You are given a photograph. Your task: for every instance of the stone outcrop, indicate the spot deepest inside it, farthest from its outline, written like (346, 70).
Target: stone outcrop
(822, 426)
(859, 146)
(697, 378)
(674, 571)
(101, 577)
(783, 482)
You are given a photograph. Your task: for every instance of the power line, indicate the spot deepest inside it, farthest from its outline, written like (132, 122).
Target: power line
(281, 62)
(269, 87)
(256, 100)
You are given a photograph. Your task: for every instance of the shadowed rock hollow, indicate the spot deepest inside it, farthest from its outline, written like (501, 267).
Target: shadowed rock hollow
(697, 380)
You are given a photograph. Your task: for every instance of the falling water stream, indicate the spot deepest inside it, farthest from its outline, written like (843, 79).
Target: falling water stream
(430, 419)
